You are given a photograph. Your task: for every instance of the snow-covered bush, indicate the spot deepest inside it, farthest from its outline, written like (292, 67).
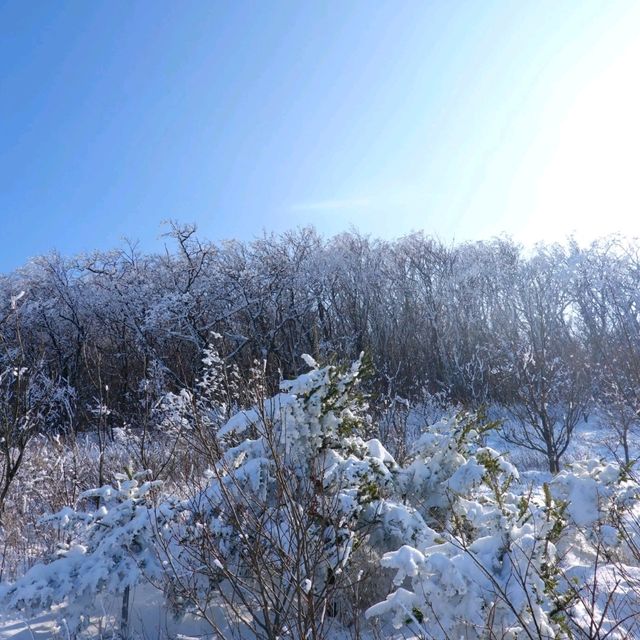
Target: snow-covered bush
(295, 490)
(507, 558)
(299, 503)
(110, 548)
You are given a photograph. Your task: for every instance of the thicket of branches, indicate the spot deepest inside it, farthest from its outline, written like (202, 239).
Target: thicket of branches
(462, 318)
(546, 333)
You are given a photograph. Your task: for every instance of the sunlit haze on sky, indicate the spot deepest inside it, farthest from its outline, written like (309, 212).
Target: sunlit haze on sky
(464, 119)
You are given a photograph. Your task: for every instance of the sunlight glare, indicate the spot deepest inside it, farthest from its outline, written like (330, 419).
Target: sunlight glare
(591, 184)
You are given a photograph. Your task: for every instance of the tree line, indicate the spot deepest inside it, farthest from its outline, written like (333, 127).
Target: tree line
(547, 333)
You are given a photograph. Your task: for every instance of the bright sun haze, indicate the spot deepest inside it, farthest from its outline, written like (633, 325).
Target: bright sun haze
(466, 119)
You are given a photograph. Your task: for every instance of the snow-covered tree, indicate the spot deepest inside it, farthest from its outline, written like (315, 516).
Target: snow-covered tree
(110, 549)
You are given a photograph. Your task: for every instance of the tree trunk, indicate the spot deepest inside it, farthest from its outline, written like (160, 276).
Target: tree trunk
(124, 618)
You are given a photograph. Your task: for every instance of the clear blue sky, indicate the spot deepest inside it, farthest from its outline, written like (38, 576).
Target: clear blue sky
(466, 119)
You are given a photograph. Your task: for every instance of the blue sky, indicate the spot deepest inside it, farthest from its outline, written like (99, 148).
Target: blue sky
(465, 119)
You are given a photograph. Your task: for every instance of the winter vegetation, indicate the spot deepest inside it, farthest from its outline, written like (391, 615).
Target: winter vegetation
(313, 438)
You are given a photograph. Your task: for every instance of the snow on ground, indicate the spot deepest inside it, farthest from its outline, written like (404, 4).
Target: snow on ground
(149, 619)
